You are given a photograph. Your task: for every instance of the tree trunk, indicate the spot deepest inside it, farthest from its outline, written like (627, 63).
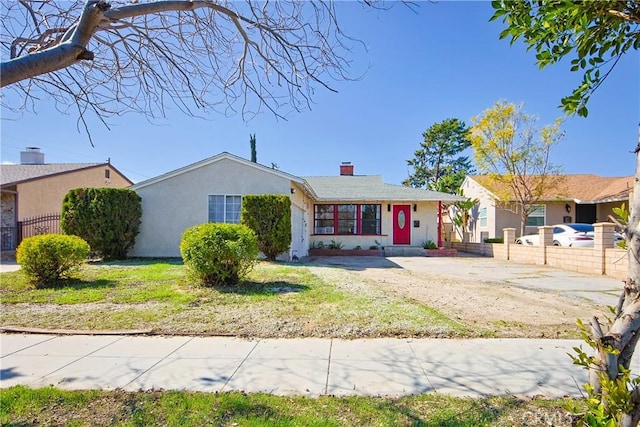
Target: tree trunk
(624, 332)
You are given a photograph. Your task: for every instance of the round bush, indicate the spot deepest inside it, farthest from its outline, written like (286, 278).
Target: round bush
(219, 254)
(47, 258)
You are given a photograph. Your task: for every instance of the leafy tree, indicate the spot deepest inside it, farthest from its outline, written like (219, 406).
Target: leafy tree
(598, 33)
(111, 56)
(438, 163)
(462, 211)
(515, 155)
(107, 218)
(269, 216)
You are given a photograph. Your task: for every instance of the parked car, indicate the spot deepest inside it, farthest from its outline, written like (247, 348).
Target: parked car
(572, 235)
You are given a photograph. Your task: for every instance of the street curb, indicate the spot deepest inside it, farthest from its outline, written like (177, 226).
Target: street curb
(19, 330)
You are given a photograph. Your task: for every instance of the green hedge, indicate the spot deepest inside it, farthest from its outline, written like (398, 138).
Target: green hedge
(107, 218)
(218, 254)
(269, 216)
(47, 258)
(494, 240)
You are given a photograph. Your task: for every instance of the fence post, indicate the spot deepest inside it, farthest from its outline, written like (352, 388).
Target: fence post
(546, 239)
(602, 239)
(18, 233)
(509, 239)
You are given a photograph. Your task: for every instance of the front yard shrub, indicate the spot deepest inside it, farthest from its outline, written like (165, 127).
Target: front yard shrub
(107, 218)
(494, 240)
(47, 258)
(219, 254)
(269, 216)
(429, 244)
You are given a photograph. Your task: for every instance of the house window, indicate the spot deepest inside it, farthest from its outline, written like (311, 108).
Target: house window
(370, 219)
(536, 216)
(107, 173)
(347, 219)
(482, 217)
(224, 208)
(323, 219)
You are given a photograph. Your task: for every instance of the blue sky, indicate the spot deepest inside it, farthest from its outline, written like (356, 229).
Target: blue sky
(419, 68)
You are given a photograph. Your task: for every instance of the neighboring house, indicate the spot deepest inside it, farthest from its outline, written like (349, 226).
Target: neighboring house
(34, 188)
(355, 210)
(577, 198)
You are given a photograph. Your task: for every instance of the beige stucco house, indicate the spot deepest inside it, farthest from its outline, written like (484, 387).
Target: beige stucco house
(33, 187)
(584, 198)
(353, 209)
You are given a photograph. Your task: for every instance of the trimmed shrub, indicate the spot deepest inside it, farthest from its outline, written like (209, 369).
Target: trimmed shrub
(219, 254)
(47, 258)
(107, 218)
(494, 240)
(269, 216)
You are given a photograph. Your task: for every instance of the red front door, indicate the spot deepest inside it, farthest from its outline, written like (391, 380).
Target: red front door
(401, 224)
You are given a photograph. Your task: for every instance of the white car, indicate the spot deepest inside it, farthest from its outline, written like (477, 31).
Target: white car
(572, 235)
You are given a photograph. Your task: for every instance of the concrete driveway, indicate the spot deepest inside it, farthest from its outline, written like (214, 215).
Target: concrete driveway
(6, 266)
(601, 290)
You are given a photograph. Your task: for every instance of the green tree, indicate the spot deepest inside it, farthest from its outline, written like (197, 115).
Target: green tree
(107, 218)
(597, 34)
(252, 143)
(439, 164)
(269, 216)
(514, 154)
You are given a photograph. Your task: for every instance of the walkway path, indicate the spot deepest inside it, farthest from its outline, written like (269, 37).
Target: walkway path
(311, 367)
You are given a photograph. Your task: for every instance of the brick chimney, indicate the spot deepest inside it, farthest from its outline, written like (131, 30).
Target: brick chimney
(346, 169)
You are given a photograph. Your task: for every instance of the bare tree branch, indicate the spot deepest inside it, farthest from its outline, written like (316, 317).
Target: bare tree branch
(199, 55)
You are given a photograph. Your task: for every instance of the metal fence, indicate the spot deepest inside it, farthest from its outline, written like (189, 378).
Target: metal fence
(40, 224)
(8, 238)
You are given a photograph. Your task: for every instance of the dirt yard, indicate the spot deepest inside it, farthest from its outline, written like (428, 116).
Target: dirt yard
(487, 305)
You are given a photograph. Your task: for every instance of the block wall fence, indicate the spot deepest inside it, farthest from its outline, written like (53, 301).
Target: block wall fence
(602, 258)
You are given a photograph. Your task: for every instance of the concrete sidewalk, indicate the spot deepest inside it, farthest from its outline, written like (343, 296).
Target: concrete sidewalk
(310, 367)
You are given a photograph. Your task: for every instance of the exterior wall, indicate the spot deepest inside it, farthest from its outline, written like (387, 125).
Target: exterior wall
(603, 210)
(44, 196)
(299, 222)
(172, 205)
(426, 213)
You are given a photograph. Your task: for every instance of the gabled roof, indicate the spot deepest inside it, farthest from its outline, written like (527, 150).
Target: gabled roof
(370, 187)
(580, 188)
(211, 160)
(11, 175)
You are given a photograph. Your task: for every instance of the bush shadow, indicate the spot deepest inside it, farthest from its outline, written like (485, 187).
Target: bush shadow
(78, 284)
(356, 263)
(135, 262)
(273, 288)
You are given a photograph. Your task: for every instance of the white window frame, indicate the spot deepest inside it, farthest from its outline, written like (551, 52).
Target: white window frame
(536, 210)
(482, 217)
(228, 201)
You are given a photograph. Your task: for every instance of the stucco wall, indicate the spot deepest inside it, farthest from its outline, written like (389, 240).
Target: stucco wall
(44, 196)
(172, 205)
